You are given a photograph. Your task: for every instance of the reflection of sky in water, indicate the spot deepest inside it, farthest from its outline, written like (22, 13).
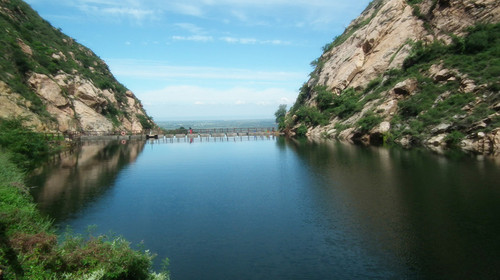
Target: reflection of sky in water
(275, 209)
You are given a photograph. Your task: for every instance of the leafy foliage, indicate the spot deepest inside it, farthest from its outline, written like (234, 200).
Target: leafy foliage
(280, 115)
(454, 138)
(368, 121)
(311, 116)
(301, 130)
(475, 55)
(417, 103)
(422, 53)
(304, 94)
(373, 84)
(478, 54)
(27, 147)
(29, 248)
(347, 104)
(426, 17)
(324, 97)
(145, 121)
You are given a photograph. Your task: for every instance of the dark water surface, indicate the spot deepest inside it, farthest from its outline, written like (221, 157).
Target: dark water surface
(280, 209)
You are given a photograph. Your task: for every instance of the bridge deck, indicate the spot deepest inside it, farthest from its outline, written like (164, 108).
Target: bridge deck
(215, 137)
(205, 133)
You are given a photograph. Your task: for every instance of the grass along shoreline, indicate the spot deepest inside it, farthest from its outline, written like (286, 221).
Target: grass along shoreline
(29, 246)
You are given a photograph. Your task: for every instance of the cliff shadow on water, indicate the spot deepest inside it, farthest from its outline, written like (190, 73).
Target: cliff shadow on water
(436, 216)
(73, 179)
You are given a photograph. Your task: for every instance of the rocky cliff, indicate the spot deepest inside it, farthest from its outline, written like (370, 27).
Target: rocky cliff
(55, 82)
(413, 72)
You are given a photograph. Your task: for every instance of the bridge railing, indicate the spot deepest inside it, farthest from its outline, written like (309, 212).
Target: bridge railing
(78, 134)
(239, 130)
(233, 130)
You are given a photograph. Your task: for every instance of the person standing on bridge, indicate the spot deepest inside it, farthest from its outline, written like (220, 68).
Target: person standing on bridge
(190, 138)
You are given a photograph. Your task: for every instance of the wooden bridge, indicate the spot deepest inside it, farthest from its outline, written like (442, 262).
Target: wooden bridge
(219, 135)
(233, 130)
(204, 134)
(105, 135)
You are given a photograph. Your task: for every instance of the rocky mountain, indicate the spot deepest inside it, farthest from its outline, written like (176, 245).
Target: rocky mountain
(412, 72)
(57, 83)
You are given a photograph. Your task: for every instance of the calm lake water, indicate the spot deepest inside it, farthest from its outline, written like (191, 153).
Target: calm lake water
(284, 209)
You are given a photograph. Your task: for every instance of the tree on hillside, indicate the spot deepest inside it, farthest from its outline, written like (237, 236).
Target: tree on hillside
(280, 116)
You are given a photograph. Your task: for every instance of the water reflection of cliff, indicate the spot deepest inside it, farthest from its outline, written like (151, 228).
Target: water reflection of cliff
(73, 179)
(438, 216)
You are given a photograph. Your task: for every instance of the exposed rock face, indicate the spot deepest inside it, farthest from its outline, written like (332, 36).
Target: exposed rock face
(78, 105)
(383, 43)
(49, 90)
(483, 143)
(90, 119)
(25, 48)
(10, 106)
(381, 39)
(405, 87)
(57, 83)
(371, 50)
(74, 102)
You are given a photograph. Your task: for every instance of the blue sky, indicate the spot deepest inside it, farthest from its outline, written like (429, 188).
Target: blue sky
(205, 59)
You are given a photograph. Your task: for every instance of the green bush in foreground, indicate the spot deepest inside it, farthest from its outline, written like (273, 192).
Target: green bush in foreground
(29, 247)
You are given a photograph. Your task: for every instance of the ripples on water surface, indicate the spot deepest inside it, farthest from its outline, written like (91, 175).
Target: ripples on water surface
(280, 209)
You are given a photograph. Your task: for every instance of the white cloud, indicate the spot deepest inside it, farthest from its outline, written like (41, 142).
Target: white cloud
(162, 70)
(135, 13)
(183, 8)
(98, 2)
(306, 13)
(244, 41)
(190, 27)
(230, 39)
(187, 94)
(195, 38)
(176, 102)
(240, 15)
(285, 100)
(253, 41)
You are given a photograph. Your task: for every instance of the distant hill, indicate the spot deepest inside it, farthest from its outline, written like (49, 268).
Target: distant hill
(258, 123)
(411, 72)
(57, 83)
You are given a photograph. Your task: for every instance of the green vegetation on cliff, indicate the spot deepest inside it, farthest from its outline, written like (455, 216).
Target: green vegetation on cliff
(473, 59)
(27, 148)
(29, 44)
(476, 57)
